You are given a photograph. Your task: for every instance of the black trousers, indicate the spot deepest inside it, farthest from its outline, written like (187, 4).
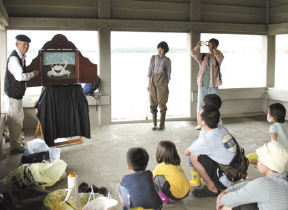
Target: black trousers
(250, 206)
(213, 170)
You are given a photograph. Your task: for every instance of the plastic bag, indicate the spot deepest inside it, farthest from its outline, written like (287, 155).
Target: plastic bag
(55, 200)
(36, 145)
(35, 175)
(101, 203)
(39, 145)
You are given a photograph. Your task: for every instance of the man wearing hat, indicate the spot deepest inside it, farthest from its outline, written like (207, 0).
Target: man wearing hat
(14, 89)
(269, 192)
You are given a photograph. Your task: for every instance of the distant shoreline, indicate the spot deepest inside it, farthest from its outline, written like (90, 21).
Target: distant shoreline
(172, 50)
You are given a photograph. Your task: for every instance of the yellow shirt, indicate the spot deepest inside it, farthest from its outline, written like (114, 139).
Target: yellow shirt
(179, 185)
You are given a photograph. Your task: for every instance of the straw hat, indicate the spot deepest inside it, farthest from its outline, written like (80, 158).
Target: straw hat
(273, 155)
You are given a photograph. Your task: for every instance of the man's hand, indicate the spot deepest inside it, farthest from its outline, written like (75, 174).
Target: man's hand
(36, 73)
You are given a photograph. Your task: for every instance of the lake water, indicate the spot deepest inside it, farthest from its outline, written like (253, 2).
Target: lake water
(129, 81)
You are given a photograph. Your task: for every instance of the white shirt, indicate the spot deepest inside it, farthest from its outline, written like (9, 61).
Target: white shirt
(216, 144)
(16, 69)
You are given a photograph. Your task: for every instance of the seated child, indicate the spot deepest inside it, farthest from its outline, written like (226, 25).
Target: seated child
(168, 175)
(210, 99)
(216, 147)
(268, 192)
(278, 130)
(138, 189)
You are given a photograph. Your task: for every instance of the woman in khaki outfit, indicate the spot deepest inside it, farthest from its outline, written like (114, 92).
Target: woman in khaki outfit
(158, 79)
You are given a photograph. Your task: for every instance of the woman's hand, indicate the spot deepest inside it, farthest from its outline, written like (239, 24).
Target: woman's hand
(219, 206)
(199, 44)
(149, 81)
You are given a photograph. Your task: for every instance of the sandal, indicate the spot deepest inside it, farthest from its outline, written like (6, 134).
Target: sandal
(103, 191)
(205, 192)
(83, 187)
(95, 189)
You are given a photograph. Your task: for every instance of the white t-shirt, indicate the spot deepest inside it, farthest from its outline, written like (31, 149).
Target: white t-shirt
(216, 144)
(281, 130)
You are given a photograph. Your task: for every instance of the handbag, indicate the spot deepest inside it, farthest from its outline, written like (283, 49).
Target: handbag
(35, 157)
(101, 203)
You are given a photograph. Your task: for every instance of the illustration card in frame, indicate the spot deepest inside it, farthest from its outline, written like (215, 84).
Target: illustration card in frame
(59, 67)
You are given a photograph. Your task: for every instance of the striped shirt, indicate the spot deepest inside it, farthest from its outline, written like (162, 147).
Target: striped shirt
(269, 192)
(159, 66)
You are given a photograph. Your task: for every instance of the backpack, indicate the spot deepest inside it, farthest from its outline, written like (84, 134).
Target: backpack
(90, 88)
(217, 64)
(237, 168)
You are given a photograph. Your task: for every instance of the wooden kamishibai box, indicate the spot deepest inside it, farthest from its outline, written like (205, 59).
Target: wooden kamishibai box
(61, 66)
(60, 62)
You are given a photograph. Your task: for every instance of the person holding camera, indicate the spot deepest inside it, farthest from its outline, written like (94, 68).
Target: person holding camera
(209, 76)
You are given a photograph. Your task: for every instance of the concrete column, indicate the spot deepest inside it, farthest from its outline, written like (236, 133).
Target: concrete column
(268, 58)
(194, 39)
(3, 60)
(104, 9)
(104, 40)
(195, 10)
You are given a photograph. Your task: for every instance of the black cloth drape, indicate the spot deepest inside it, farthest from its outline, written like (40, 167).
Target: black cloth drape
(63, 112)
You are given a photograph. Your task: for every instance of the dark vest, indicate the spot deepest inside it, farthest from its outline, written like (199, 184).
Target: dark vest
(12, 87)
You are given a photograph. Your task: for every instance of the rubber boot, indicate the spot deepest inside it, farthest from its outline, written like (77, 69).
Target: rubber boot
(154, 121)
(162, 122)
(164, 198)
(195, 182)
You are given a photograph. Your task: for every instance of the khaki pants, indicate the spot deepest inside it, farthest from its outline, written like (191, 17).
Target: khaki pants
(158, 91)
(15, 115)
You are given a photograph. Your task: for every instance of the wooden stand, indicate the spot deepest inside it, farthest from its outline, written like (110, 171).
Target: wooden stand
(64, 142)
(37, 130)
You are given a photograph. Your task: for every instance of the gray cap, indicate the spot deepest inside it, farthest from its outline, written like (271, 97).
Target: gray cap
(23, 38)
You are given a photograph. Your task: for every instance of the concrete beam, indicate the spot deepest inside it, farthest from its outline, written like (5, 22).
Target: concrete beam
(133, 25)
(275, 29)
(279, 95)
(238, 93)
(56, 3)
(4, 18)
